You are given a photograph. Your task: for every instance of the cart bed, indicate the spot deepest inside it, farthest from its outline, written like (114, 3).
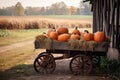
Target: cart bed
(56, 45)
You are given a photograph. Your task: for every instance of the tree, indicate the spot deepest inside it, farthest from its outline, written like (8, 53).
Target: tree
(57, 8)
(2, 11)
(19, 9)
(85, 8)
(73, 10)
(81, 9)
(62, 8)
(42, 10)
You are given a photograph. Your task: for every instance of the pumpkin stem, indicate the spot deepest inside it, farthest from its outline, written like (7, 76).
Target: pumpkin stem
(86, 31)
(76, 27)
(53, 27)
(44, 32)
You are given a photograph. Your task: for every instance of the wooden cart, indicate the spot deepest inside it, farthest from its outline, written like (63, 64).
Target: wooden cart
(82, 62)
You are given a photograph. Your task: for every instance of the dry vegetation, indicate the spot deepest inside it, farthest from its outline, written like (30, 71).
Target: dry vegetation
(41, 22)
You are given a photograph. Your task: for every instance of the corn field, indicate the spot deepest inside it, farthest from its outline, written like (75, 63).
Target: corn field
(22, 22)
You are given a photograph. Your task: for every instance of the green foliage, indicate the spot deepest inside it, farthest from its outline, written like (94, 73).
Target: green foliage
(4, 32)
(111, 67)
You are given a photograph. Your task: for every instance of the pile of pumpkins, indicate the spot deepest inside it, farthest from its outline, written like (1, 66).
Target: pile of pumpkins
(62, 34)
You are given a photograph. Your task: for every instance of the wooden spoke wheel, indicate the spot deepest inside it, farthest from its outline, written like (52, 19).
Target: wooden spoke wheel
(80, 65)
(44, 63)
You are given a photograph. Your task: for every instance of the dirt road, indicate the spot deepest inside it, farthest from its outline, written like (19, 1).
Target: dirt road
(13, 46)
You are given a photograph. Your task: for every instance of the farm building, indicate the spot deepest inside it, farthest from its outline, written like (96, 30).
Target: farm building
(106, 17)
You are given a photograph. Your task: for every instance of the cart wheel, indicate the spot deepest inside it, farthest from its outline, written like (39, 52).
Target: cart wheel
(44, 63)
(81, 65)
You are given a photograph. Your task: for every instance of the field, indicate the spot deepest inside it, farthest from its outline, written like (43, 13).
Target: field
(37, 22)
(17, 51)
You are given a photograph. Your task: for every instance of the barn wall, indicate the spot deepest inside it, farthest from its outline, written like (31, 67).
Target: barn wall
(106, 17)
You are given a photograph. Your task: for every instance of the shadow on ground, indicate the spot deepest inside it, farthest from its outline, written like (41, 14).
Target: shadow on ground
(27, 72)
(17, 71)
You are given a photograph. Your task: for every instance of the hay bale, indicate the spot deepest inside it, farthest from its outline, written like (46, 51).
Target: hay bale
(42, 41)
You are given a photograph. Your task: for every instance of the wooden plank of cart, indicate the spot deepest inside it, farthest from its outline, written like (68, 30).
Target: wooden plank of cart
(84, 58)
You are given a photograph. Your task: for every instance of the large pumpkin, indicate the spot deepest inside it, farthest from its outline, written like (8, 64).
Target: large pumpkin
(76, 31)
(54, 35)
(63, 37)
(49, 31)
(88, 36)
(75, 36)
(62, 30)
(99, 36)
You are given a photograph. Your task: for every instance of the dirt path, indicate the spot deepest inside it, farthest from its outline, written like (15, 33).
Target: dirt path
(13, 46)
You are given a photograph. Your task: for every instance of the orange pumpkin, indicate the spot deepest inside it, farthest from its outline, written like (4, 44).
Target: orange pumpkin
(54, 35)
(62, 30)
(99, 36)
(75, 36)
(63, 37)
(76, 31)
(88, 36)
(49, 31)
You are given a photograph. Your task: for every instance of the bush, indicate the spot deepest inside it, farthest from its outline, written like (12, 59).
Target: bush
(4, 32)
(111, 68)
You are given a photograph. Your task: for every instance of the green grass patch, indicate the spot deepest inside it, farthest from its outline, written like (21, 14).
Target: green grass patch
(19, 36)
(18, 62)
(4, 33)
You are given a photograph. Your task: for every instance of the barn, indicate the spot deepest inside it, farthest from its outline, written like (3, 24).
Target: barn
(106, 17)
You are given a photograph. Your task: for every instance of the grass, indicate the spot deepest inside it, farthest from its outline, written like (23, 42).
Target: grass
(68, 16)
(16, 56)
(57, 16)
(4, 32)
(19, 36)
(18, 62)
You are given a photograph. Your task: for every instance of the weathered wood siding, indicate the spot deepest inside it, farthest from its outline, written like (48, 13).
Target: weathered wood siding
(106, 17)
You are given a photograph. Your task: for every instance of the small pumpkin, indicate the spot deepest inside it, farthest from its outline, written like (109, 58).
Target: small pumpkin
(63, 37)
(54, 35)
(76, 31)
(75, 36)
(49, 31)
(62, 30)
(99, 36)
(88, 36)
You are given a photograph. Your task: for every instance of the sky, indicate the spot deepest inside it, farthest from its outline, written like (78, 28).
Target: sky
(37, 3)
